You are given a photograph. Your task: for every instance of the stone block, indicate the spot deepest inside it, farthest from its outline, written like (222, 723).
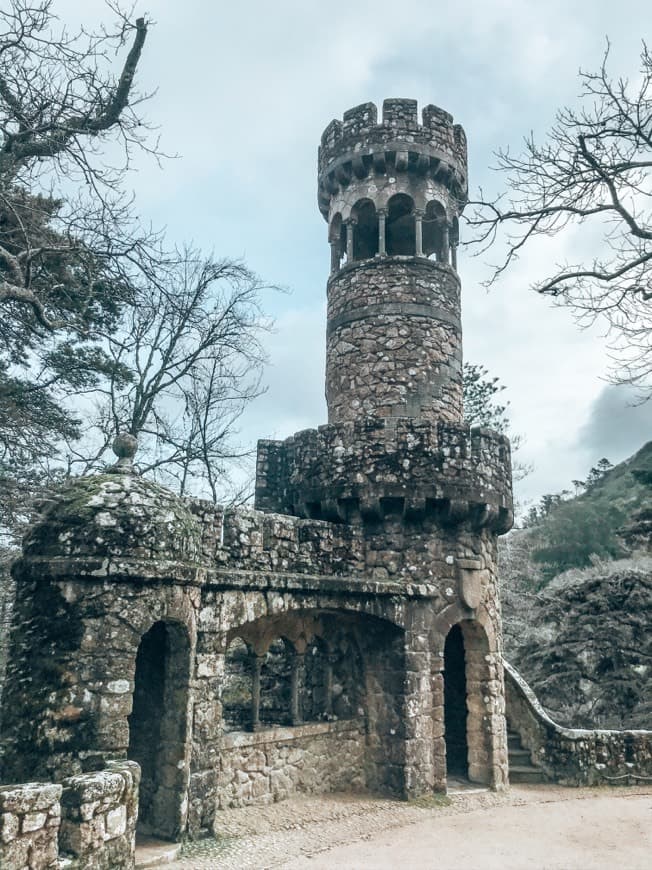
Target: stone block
(33, 822)
(115, 823)
(9, 827)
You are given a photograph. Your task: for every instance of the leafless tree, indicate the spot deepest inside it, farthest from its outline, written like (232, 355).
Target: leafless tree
(592, 171)
(187, 361)
(61, 102)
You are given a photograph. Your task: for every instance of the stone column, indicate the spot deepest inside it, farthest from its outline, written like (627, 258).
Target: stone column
(445, 245)
(454, 256)
(255, 692)
(335, 256)
(382, 216)
(297, 673)
(349, 239)
(418, 699)
(418, 228)
(328, 688)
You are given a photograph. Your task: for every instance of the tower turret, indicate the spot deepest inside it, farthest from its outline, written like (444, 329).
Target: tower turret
(396, 445)
(392, 193)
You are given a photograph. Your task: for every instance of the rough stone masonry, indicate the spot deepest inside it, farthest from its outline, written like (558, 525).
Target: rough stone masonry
(346, 632)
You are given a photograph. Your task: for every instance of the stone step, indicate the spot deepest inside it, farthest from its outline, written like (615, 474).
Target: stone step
(525, 773)
(519, 756)
(152, 852)
(514, 741)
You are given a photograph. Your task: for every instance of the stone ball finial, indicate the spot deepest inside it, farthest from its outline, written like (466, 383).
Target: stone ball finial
(124, 446)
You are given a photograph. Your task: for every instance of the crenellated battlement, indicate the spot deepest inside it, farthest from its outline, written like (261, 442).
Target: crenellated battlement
(360, 145)
(347, 472)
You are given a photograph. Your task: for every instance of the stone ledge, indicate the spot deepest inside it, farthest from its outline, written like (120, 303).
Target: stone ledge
(287, 733)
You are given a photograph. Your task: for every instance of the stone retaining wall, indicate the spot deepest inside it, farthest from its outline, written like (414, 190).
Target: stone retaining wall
(573, 756)
(270, 765)
(86, 823)
(30, 815)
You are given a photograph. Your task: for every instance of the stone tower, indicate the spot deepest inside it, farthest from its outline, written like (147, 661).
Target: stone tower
(352, 616)
(427, 494)
(392, 194)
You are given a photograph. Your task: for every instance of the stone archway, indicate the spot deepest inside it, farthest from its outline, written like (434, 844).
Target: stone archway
(158, 728)
(475, 670)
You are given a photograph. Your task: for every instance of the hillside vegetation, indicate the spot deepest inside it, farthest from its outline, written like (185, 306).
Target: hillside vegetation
(577, 595)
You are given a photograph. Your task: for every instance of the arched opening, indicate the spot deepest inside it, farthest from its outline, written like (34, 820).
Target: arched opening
(434, 225)
(276, 684)
(365, 233)
(158, 728)
(455, 704)
(237, 689)
(400, 231)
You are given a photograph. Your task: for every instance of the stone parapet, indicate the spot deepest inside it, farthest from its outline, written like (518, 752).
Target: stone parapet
(30, 815)
(575, 756)
(273, 764)
(359, 146)
(88, 822)
(349, 471)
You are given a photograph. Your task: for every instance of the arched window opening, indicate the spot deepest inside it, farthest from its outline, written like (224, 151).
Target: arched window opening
(434, 225)
(237, 690)
(337, 241)
(400, 228)
(365, 232)
(317, 682)
(455, 705)
(276, 684)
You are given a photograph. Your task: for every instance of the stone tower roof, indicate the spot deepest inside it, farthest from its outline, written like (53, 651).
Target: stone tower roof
(115, 515)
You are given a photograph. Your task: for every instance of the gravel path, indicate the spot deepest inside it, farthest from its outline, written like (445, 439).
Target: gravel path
(542, 827)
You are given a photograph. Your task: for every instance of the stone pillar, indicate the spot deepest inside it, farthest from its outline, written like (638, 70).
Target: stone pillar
(445, 245)
(297, 673)
(335, 256)
(255, 692)
(382, 216)
(438, 724)
(418, 227)
(328, 688)
(419, 776)
(349, 239)
(454, 256)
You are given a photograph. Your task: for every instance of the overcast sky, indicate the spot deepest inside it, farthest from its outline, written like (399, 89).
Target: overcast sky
(244, 92)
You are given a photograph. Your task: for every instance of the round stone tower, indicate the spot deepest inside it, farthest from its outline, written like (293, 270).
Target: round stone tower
(396, 444)
(392, 193)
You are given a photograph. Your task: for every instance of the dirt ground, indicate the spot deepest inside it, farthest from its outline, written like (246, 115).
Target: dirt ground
(542, 827)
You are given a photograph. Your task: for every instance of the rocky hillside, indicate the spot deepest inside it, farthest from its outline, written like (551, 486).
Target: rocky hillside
(582, 637)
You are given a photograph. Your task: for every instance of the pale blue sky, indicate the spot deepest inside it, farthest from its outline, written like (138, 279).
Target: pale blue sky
(244, 92)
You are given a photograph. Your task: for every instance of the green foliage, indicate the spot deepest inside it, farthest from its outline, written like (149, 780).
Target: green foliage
(574, 532)
(567, 532)
(480, 405)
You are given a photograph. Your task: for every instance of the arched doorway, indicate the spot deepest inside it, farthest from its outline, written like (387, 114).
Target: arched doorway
(158, 728)
(455, 705)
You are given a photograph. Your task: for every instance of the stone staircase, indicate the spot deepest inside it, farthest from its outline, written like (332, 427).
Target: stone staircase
(521, 768)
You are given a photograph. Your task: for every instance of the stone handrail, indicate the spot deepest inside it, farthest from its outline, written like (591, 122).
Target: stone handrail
(575, 756)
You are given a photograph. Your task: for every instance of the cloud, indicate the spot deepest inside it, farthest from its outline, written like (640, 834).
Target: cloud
(617, 426)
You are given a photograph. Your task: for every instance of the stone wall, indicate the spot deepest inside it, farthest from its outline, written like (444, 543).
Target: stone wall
(249, 540)
(368, 468)
(30, 815)
(574, 756)
(88, 822)
(270, 765)
(394, 341)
